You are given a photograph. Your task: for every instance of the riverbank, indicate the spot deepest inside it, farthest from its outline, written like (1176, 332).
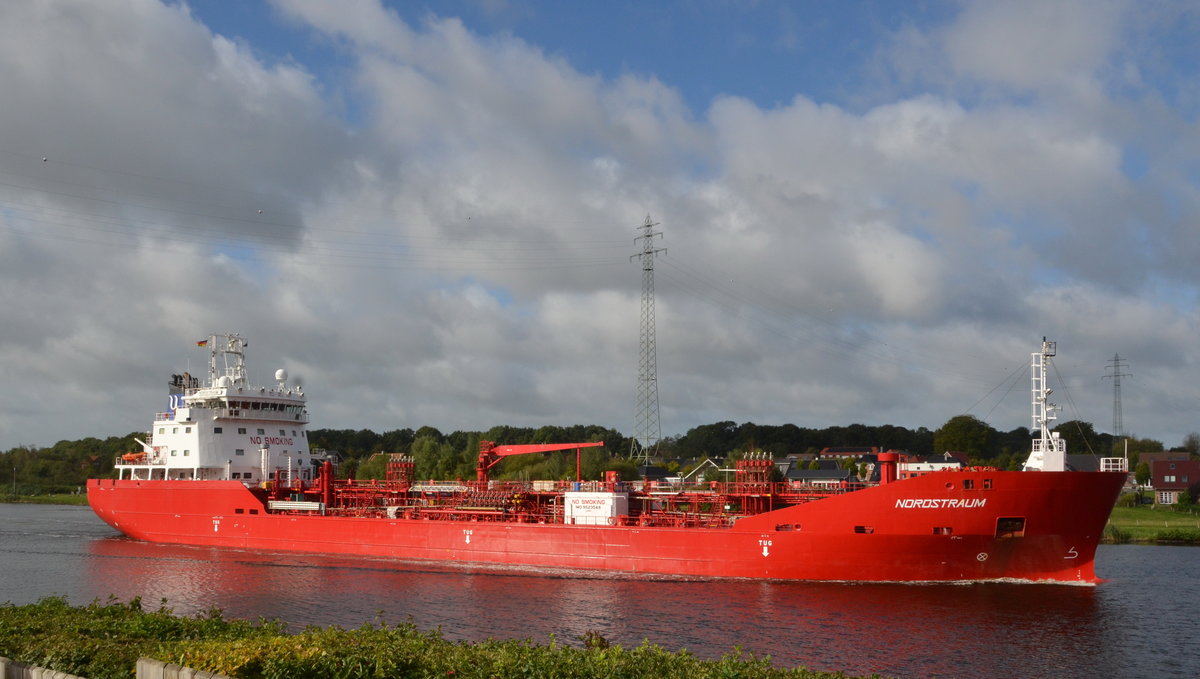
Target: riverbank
(79, 499)
(1149, 525)
(99, 641)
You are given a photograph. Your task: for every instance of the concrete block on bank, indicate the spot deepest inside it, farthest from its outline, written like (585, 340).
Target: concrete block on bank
(149, 668)
(10, 669)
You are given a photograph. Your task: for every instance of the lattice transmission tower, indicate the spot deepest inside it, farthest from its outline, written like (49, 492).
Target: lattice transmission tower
(647, 432)
(1117, 365)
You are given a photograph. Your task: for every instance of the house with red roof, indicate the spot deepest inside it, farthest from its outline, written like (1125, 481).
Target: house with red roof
(1169, 478)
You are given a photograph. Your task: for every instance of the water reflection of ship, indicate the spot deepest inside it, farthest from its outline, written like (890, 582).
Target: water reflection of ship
(196, 579)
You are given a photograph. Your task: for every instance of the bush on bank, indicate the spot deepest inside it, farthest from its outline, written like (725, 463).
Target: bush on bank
(99, 641)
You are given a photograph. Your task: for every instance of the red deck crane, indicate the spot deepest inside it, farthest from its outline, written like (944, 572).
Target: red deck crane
(490, 455)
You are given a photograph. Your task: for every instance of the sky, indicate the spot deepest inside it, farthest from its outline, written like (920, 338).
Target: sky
(871, 212)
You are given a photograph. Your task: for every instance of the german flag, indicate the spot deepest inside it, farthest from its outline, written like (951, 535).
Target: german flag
(202, 343)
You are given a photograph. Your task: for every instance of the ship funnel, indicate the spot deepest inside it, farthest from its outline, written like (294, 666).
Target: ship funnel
(887, 467)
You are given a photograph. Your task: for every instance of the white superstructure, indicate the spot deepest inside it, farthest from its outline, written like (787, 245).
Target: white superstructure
(226, 428)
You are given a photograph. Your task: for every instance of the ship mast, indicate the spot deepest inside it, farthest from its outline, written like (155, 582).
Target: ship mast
(1049, 451)
(231, 349)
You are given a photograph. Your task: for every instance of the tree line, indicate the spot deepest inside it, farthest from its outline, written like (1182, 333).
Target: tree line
(65, 466)
(1007, 450)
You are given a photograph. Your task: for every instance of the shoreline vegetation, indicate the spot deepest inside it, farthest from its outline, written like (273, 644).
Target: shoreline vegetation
(1140, 525)
(79, 499)
(1148, 525)
(105, 640)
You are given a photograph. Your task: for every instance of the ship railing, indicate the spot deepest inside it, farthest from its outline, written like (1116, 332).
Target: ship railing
(449, 513)
(558, 486)
(440, 487)
(296, 506)
(693, 486)
(1055, 445)
(1114, 464)
(519, 486)
(251, 414)
(665, 485)
(677, 519)
(139, 460)
(806, 492)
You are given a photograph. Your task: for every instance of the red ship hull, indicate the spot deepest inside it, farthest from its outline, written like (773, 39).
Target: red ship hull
(1029, 526)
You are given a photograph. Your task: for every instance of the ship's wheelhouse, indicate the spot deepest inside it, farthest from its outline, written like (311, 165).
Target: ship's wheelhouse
(226, 428)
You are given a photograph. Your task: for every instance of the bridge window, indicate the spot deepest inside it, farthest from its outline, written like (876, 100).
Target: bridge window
(864, 529)
(943, 530)
(987, 484)
(261, 432)
(282, 432)
(241, 430)
(216, 430)
(968, 484)
(239, 451)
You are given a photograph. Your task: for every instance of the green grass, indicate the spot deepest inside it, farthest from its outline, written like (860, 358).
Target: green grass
(1152, 525)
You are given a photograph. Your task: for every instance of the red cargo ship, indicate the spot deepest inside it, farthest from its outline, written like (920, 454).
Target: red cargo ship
(229, 465)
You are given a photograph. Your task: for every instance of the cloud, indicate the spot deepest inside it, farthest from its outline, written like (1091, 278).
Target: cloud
(458, 254)
(1033, 45)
